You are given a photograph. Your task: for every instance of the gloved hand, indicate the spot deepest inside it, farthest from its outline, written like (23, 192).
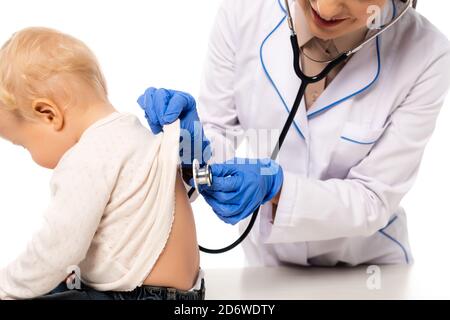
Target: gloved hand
(164, 107)
(240, 186)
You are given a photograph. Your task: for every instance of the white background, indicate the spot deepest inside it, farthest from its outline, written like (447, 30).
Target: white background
(163, 43)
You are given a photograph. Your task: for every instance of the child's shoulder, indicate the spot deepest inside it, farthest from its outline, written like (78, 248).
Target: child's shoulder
(119, 130)
(116, 124)
(114, 139)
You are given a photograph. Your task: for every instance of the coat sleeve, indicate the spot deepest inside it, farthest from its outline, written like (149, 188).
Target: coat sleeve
(363, 202)
(217, 109)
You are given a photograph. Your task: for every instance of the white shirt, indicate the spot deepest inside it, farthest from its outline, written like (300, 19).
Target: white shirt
(110, 213)
(361, 142)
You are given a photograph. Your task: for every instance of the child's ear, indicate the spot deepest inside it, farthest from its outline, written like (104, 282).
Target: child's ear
(48, 112)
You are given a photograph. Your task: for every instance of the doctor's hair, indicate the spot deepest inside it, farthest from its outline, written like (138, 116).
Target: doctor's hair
(42, 63)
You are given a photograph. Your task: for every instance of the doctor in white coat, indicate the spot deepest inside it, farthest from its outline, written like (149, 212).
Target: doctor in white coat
(358, 138)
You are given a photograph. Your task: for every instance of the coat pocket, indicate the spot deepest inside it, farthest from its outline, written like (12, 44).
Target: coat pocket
(354, 144)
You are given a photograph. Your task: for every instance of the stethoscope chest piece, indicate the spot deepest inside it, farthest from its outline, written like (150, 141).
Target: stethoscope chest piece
(202, 176)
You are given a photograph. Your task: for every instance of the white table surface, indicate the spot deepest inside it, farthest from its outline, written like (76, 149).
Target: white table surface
(297, 283)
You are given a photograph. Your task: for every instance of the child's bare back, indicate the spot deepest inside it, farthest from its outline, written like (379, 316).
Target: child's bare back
(178, 265)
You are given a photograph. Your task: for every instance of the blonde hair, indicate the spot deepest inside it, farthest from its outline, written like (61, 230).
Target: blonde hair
(40, 63)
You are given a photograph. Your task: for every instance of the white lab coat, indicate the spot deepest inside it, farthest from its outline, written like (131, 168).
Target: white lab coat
(345, 178)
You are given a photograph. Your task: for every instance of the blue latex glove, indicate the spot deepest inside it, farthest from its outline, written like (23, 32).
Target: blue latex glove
(240, 186)
(164, 107)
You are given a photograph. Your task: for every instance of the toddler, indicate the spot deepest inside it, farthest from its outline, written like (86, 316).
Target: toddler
(119, 216)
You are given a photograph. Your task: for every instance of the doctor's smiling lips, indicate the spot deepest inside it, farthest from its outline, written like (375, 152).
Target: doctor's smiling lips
(333, 19)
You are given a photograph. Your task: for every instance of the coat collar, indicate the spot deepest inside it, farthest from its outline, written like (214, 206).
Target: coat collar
(359, 74)
(277, 61)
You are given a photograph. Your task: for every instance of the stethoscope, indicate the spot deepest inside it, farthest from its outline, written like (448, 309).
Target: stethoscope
(203, 175)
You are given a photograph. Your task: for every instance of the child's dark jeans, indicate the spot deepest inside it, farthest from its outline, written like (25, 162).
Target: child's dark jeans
(140, 293)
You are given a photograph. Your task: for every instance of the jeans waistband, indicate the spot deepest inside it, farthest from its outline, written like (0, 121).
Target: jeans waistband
(161, 293)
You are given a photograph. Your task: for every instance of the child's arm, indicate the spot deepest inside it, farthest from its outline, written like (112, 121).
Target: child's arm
(80, 192)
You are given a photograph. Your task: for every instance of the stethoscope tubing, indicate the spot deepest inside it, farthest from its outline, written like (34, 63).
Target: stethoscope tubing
(305, 82)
